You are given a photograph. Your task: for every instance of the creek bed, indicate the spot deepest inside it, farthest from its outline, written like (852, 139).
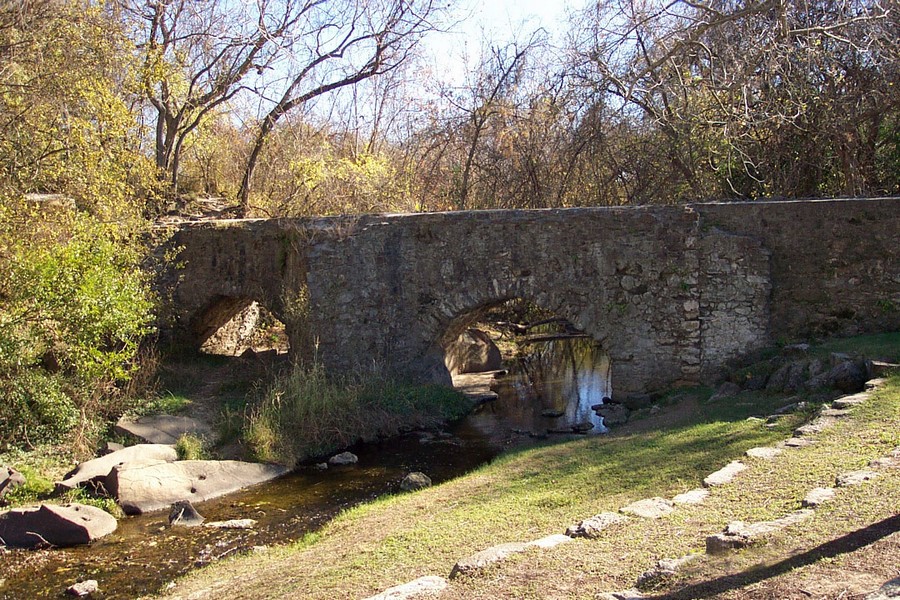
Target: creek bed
(145, 554)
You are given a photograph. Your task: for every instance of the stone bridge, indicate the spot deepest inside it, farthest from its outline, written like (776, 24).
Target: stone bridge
(671, 293)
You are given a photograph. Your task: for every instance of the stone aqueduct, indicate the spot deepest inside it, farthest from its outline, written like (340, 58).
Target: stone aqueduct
(672, 293)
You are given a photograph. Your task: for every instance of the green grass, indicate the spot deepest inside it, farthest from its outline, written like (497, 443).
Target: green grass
(540, 491)
(884, 346)
(305, 413)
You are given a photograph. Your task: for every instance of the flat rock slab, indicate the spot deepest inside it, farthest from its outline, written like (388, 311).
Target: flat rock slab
(850, 401)
(480, 560)
(796, 442)
(55, 525)
(161, 429)
(145, 487)
(725, 474)
(477, 386)
(232, 524)
(836, 413)
(874, 384)
(551, 541)
(764, 452)
(817, 496)
(854, 478)
(886, 462)
(649, 508)
(99, 468)
(423, 587)
(815, 427)
(740, 535)
(664, 569)
(695, 496)
(593, 527)
(880, 367)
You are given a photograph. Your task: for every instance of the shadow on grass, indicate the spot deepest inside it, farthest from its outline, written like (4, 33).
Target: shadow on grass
(842, 545)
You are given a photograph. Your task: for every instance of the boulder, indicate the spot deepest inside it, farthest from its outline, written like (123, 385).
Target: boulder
(161, 429)
(790, 377)
(344, 458)
(415, 481)
(889, 591)
(183, 514)
(849, 376)
(664, 569)
(97, 469)
(83, 588)
(55, 525)
(141, 487)
(613, 414)
(10, 479)
(740, 535)
(473, 352)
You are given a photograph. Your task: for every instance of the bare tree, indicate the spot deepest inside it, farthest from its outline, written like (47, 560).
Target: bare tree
(197, 55)
(343, 43)
(751, 97)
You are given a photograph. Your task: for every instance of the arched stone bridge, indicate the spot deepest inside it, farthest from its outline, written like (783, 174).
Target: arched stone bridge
(672, 293)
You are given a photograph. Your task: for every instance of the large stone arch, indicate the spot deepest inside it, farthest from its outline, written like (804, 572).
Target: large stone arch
(459, 311)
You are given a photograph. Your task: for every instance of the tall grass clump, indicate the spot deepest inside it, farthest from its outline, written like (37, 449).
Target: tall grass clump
(306, 413)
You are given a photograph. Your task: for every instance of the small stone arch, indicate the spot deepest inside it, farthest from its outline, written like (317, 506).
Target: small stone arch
(227, 324)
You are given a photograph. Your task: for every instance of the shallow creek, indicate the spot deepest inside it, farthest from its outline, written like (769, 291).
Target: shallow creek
(145, 554)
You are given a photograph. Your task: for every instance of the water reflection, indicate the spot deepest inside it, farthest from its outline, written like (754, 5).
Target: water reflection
(551, 390)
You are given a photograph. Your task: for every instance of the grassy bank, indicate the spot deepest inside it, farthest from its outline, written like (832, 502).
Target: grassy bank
(305, 413)
(541, 491)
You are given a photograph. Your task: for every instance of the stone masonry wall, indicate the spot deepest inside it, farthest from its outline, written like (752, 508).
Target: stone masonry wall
(672, 293)
(835, 264)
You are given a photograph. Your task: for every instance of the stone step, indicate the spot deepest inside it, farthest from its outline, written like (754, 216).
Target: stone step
(764, 453)
(817, 496)
(649, 508)
(725, 474)
(423, 587)
(695, 496)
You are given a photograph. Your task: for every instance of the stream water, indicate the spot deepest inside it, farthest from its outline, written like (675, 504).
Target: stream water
(551, 390)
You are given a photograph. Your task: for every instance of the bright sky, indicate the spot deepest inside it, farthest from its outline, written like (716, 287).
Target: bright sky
(500, 21)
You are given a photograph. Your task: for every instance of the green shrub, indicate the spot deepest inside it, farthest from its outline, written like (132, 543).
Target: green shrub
(74, 307)
(35, 409)
(305, 413)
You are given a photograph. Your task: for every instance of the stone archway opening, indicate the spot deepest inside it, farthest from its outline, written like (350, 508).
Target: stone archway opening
(240, 327)
(531, 368)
